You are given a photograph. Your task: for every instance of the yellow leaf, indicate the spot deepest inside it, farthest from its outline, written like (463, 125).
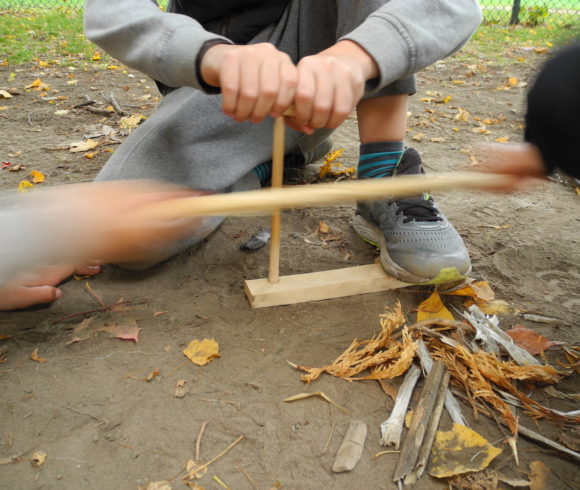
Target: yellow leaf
(502, 139)
(549, 44)
(131, 122)
(96, 56)
(437, 140)
(456, 130)
(540, 50)
(323, 227)
(458, 82)
(91, 155)
(462, 115)
(418, 137)
(478, 289)
(409, 418)
(35, 357)
(24, 186)
(37, 177)
(494, 307)
(78, 146)
(36, 84)
(461, 450)
(113, 67)
(433, 307)
(201, 353)
(72, 82)
(513, 81)
(3, 107)
(42, 64)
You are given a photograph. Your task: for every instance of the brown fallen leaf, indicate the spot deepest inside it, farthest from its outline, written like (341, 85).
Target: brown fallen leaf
(4, 336)
(531, 340)
(539, 476)
(130, 331)
(35, 357)
(389, 388)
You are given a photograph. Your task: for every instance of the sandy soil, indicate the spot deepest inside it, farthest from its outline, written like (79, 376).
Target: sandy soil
(103, 426)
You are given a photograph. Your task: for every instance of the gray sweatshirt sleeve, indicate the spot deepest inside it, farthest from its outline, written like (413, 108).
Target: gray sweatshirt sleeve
(140, 35)
(405, 36)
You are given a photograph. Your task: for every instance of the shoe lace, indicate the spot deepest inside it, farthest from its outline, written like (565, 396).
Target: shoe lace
(418, 209)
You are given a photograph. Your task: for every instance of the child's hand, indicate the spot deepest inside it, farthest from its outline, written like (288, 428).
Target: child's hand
(256, 80)
(522, 160)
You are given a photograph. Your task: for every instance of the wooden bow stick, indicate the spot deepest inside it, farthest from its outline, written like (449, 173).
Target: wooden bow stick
(302, 196)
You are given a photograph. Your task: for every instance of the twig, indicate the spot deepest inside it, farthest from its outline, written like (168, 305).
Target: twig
(97, 110)
(435, 418)
(331, 429)
(248, 477)
(451, 403)
(381, 453)
(94, 294)
(414, 438)
(302, 396)
(392, 428)
(87, 102)
(225, 402)
(110, 98)
(177, 367)
(104, 308)
(198, 441)
(213, 460)
(529, 433)
(218, 479)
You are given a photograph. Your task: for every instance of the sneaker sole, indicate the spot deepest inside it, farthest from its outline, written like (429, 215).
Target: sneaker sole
(371, 234)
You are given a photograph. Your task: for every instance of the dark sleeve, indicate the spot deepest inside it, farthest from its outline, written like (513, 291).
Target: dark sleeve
(553, 115)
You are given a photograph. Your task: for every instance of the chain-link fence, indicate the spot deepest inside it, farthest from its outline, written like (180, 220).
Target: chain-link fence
(527, 12)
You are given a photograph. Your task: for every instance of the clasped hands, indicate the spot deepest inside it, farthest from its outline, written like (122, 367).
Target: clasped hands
(258, 81)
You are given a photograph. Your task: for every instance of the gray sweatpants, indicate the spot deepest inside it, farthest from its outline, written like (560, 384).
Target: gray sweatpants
(189, 141)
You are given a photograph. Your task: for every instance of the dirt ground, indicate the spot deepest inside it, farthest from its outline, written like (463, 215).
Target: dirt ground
(103, 426)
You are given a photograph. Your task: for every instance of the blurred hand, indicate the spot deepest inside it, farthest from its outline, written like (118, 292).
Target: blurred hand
(256, 80)
(521, 160)
(88, 221)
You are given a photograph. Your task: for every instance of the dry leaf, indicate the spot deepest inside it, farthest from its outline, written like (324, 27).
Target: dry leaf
(389, 388)
(539, 476)
(131, 122)
(201, 353)
(91, 155)
(193, 473)
(24, 186)
(409, 418)
(38, 459)
(502, 139)
(494, 307)
(437, 140)
(460, 450)
(462, 115)
(480, 290)
(5, 94)
(323, 227)
(180, 389)
(4, 336)
(35, 357)
(78, 146)
(302, 396)
(152, 374)
(130, 331)
(37, 177)
(61, 112)
(531, 340)
(433, 307)
(157, 485)
(418, 137)
(513, 81)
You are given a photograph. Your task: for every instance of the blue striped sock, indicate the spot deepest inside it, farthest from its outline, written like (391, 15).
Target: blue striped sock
(379, 159)
(263, 171)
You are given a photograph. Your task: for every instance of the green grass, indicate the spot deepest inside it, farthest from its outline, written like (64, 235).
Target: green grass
(56, 36)
(50, 36)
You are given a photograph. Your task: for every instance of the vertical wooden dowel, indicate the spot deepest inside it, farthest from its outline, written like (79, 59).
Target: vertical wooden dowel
(277, 175)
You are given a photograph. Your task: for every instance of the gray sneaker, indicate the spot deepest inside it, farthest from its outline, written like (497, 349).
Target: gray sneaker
(417, 243)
